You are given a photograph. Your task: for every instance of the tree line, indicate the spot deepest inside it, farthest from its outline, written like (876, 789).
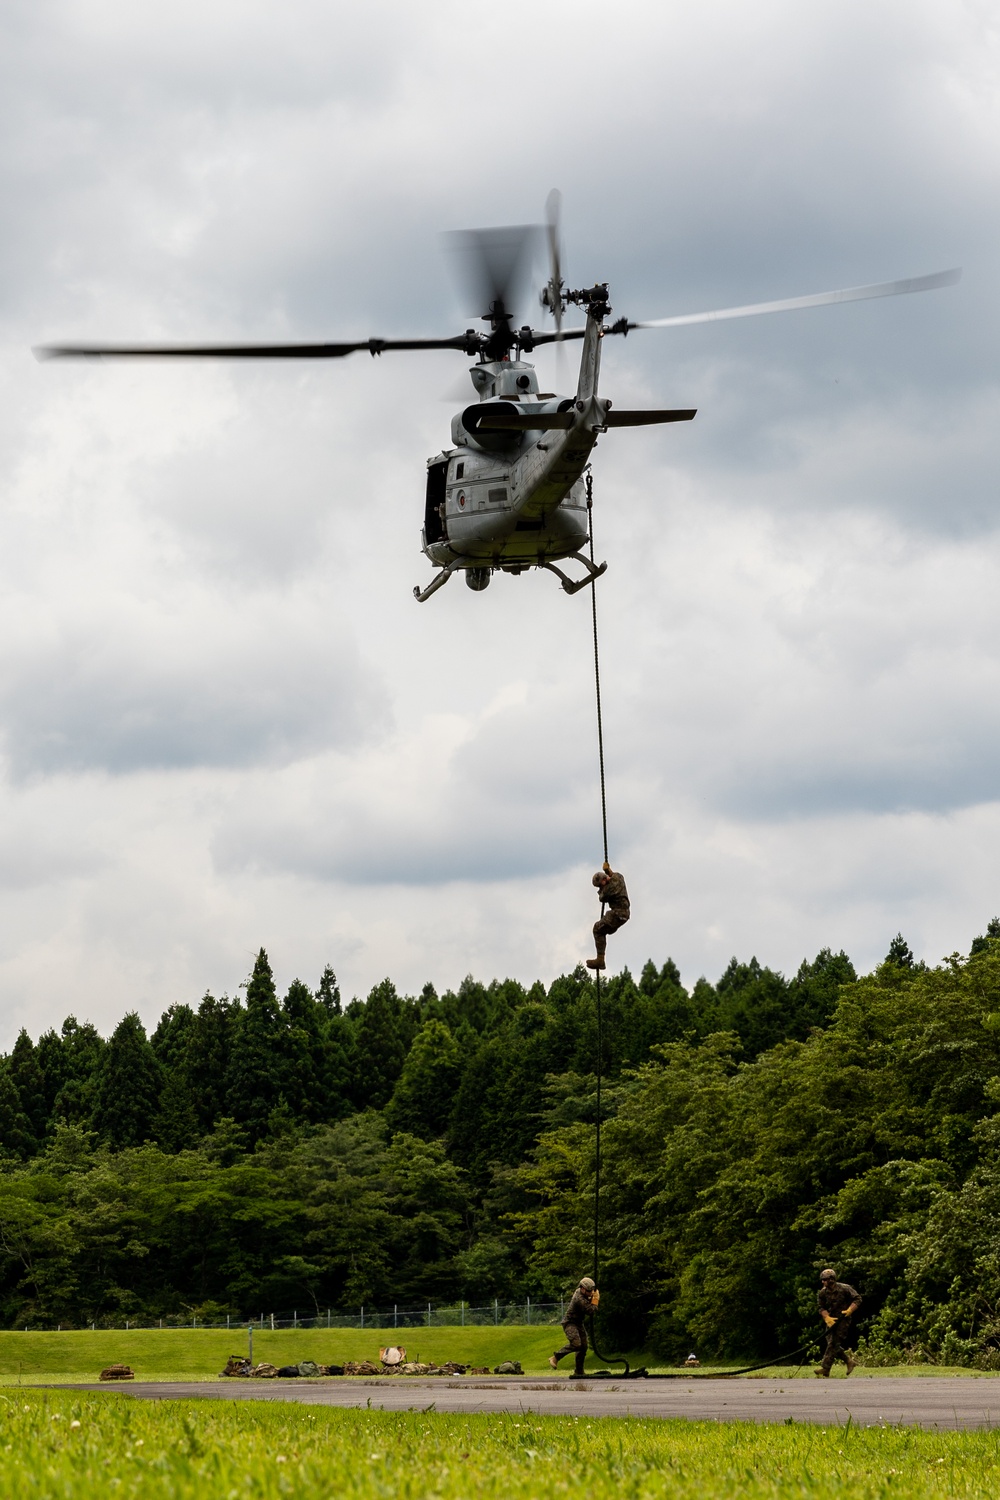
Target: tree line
(263, 1153)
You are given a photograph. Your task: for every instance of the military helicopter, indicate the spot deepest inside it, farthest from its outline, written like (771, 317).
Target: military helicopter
(510, 494)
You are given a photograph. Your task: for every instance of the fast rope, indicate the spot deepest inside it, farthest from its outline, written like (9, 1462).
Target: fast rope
(597, 667)
(604, 827)
(628, 1372)
(806, 1351)
(597, 973)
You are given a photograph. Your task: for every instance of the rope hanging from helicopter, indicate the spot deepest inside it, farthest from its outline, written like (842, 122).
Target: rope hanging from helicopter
(607, 1359)
(597, 973)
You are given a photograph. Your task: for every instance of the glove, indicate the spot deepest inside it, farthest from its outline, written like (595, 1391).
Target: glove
(595, 1298)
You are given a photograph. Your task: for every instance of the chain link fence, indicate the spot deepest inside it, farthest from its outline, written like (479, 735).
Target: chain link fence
(428, 1315)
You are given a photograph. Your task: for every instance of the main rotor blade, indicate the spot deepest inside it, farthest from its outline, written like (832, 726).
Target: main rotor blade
(495, 265)
(538, 337)
(553, 209)
(647, 418)
(468, 342)
(817, 299)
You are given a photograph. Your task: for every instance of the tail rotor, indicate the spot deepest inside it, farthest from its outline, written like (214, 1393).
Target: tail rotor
(553, 296)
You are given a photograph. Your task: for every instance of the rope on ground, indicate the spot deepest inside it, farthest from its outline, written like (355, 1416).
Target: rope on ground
(807, 1350)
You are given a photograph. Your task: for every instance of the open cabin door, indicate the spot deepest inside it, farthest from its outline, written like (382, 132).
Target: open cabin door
(434, 528)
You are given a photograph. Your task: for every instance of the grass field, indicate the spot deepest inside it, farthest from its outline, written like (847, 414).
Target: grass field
(66, 1445)
(196, 1353)
(199, 1354)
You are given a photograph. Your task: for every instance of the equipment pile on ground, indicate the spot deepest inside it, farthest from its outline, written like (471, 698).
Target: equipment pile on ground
(238, 1367)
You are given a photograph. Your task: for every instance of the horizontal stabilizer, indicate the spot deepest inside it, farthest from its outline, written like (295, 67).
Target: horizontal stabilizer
(646, 418)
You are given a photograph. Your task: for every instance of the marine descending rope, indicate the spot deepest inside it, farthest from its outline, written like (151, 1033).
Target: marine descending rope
(597, 972)
(628, 1373)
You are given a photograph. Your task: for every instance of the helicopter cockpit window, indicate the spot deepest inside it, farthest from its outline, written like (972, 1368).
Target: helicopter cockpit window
(459, 471)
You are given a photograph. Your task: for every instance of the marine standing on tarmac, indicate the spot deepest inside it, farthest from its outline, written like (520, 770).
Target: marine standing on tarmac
(582, 1303)
(838, 1303)
(614, 897)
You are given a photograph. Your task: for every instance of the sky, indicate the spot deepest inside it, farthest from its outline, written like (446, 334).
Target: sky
(224, 721)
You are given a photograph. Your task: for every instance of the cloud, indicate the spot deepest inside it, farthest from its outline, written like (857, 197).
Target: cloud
(499, 796)
(224, 719)
(139, 689)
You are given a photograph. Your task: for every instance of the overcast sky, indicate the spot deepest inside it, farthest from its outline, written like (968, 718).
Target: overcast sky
(225, 721)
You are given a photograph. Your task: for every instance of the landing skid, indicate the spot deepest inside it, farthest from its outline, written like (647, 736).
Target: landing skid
(574, 586)
(422, 595)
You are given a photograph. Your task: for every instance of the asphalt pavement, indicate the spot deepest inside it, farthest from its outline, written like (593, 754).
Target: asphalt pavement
(921, 1401)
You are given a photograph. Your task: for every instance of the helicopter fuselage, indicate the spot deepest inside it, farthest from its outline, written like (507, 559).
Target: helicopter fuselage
(514, 499)
(511, 492)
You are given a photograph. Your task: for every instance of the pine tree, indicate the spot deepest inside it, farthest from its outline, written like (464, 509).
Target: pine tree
(328, 993)
(172, 1036)
(83, 1051)
(424, 1096)
(208, 1058)
(176, 1124)
(52, 1061)
(305, 1051)
(899, 952)
(27, 1078)
(338, 1068)
(128, 1087)
(981, 944)
(16, 1137)
(381, 1042)
(257, 1075)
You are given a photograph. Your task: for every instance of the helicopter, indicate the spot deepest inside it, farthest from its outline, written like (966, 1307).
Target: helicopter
(511, 492)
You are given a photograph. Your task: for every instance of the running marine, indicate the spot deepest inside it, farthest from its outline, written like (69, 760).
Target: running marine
(582, 1303)
(838, 1303)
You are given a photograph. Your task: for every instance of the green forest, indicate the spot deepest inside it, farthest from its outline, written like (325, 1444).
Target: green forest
(264, 1153)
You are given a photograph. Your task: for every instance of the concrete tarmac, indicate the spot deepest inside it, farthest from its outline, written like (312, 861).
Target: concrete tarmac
(919, 1401)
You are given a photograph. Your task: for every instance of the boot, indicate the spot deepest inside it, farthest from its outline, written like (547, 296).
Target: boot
(851, 1362)
(553, 1362)
(596, 963)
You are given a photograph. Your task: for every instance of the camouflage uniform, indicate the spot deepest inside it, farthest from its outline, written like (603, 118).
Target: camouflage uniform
(580, 1307)
(835, 1300)
(615, 898)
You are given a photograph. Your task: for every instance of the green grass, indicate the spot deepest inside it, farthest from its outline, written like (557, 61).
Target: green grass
(60, 1444)
(197, 1354)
